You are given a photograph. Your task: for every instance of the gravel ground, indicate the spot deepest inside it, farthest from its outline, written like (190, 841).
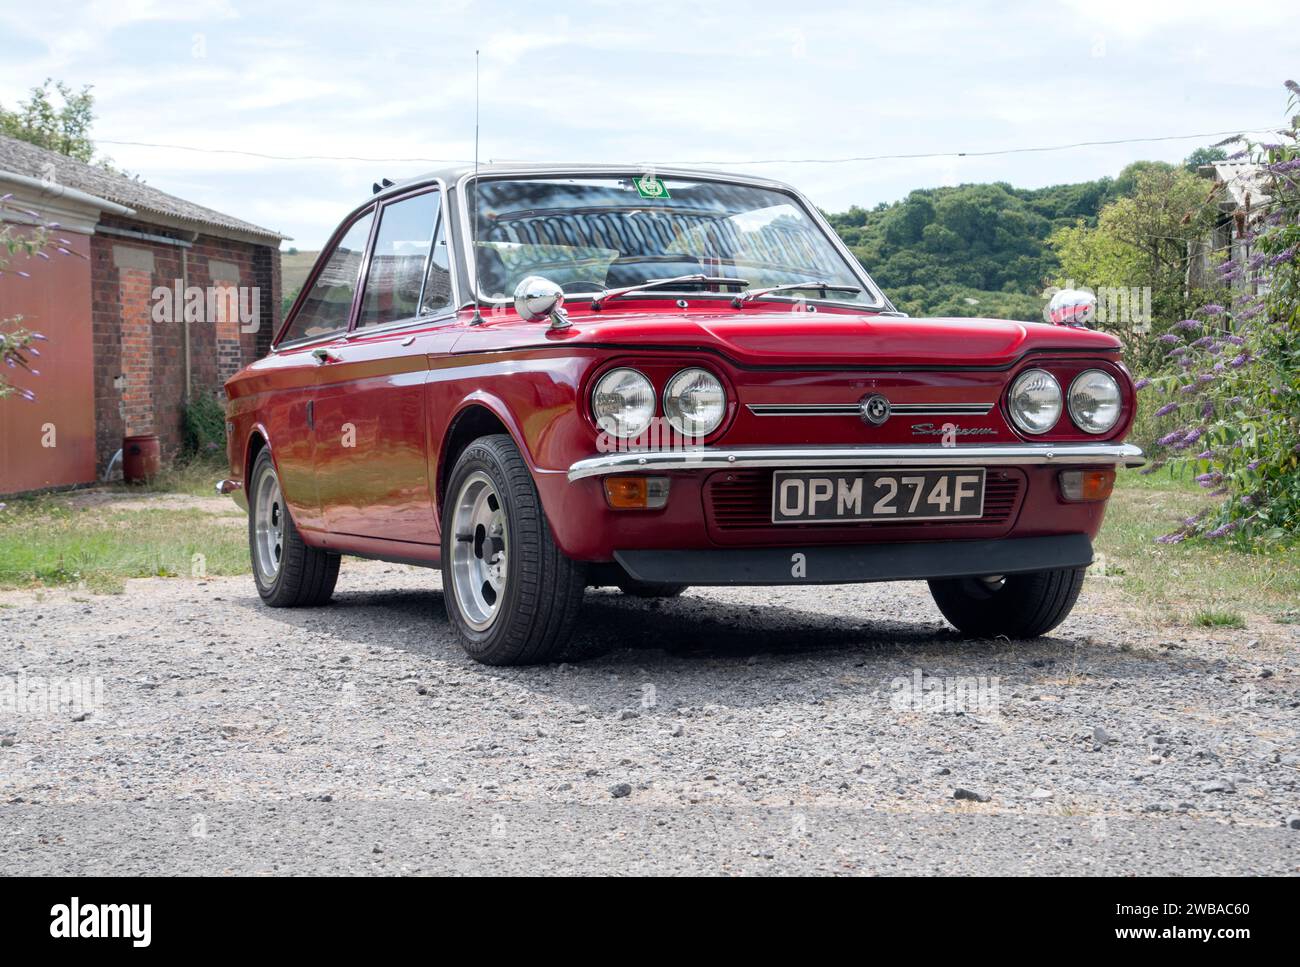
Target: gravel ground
(736, 730)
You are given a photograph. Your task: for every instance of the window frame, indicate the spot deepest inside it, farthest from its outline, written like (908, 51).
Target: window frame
(354, 330)
(880, 302)
(369, 209)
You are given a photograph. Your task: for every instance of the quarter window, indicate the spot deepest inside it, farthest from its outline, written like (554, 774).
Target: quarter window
(408, 275)
(328, 304)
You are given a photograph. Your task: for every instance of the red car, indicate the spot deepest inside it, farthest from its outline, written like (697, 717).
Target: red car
(545, 378)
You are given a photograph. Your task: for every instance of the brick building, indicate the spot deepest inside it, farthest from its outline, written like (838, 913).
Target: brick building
(157, 301)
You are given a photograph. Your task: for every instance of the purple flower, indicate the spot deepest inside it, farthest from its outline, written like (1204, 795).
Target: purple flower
(1253, 465)
(1235, 339)
(1205, 455)
(1171, 539)
(1240, 361)
(1227, 528)
(1169, 337)
(1188, 324)
(1209, 479)
(1142, 384)
(1166, 409)
(1213, 310)
(1169, 438)
(1284, 256)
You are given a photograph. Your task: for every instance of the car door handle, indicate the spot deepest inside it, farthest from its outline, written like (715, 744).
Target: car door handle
(325, 356)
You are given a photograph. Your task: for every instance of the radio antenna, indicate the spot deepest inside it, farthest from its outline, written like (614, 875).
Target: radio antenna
(473, 242)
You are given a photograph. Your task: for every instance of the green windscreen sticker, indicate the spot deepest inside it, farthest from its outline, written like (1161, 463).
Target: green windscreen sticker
(648, 186)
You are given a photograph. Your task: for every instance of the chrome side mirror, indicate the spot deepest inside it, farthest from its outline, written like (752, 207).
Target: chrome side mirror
(537, 297)
(1072, 307)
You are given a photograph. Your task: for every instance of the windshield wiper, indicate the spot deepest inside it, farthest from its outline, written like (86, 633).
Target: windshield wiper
(749, 295)
(598, 302)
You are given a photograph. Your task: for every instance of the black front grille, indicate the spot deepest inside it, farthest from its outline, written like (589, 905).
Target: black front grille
(741, 500)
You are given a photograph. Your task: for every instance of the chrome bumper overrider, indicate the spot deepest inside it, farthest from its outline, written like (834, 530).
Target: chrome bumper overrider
(710, 458)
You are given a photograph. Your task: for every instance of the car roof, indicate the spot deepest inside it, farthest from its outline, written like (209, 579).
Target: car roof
(453, 174)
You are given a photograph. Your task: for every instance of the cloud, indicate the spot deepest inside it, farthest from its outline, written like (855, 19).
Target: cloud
(670, 81)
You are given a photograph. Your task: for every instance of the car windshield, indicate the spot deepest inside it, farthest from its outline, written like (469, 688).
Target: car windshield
(591, 234)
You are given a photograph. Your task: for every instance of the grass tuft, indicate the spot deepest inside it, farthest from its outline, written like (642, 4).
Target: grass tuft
(1218, 619)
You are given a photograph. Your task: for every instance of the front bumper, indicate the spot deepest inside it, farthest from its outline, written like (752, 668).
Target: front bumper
(856, 563)
(742, 458)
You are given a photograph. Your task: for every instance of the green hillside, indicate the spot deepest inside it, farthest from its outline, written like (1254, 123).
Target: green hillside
(971, 250)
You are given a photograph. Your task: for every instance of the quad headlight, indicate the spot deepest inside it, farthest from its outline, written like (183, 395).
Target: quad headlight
(1035, 401)
(623, 403)
(695, 402)
(1095, 401)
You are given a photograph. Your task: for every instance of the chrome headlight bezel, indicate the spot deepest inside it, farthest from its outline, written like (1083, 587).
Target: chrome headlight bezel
(1018, 418)
(1094, 428)
(606, 422)
(676, 419)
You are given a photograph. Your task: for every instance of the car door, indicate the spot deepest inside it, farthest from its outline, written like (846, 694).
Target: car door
(372, 465)
(322, 314)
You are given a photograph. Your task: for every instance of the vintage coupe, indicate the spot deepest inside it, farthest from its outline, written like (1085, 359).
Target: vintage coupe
(545, 378)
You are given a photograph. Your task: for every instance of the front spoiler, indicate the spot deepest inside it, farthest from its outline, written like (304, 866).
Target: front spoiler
(740, 458)
(856, 563)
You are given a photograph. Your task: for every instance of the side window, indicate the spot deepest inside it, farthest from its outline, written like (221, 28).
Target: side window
(329, 302)
(408, 248)
(437, 283)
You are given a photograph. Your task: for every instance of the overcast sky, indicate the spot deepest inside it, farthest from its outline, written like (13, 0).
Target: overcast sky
(646, 81)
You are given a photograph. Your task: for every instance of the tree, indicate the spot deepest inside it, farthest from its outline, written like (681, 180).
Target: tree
(1204, 156)
(1142, 242)
(64, 128)
(969, 250)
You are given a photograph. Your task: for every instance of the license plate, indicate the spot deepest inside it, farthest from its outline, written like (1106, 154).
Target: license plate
(805, 496)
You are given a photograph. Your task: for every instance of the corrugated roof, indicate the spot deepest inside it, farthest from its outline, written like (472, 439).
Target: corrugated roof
(1243, 180)
(23, 158)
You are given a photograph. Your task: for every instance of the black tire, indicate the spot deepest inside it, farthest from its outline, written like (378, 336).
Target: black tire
(305, 576)
(644, 589)
(533, 616)
(1020, 606)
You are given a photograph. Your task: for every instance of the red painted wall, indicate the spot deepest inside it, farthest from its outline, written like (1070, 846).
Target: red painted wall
(54, 301)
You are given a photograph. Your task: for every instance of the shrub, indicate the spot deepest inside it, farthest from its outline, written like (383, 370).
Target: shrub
(1234, 394)
(205, 424)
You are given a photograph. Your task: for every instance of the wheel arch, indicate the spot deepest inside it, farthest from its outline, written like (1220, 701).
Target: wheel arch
(480, 414)
(258, 440)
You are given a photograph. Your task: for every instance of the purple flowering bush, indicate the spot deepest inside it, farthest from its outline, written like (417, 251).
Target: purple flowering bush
(1232, 387)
